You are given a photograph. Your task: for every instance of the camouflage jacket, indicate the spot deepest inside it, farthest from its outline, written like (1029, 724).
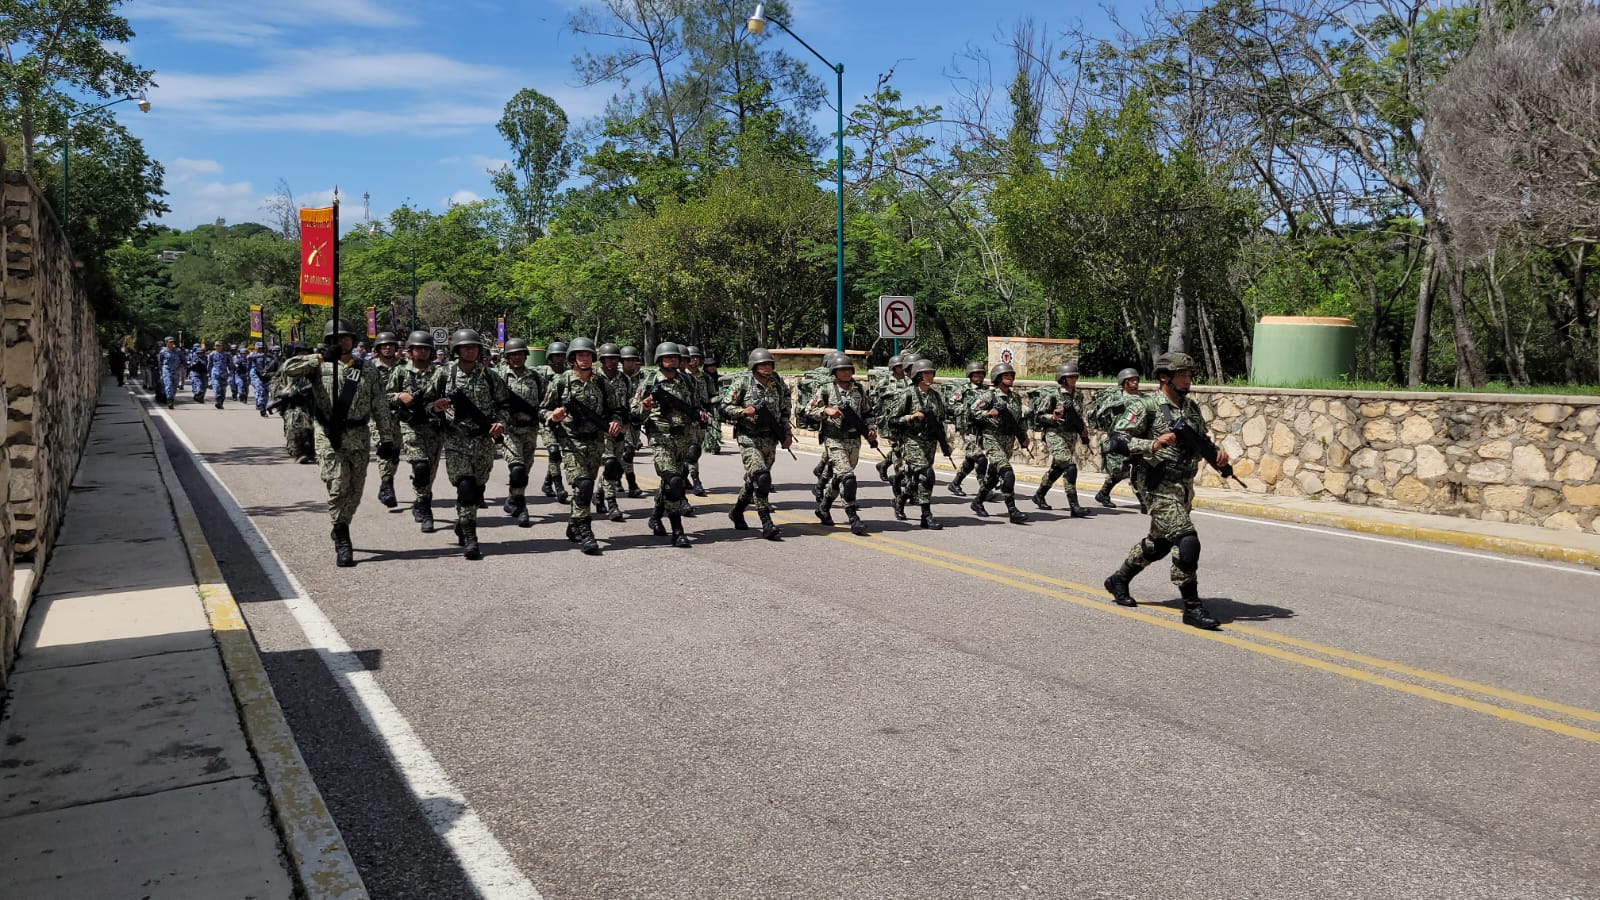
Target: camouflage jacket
(359, 384)
(853, 396)
(1108, 406)
(934, 413)
(960, 404)
(568, 390)
(527, 387)
(663, 418)
(993, 397)
(408, 379)
(1051, 402)
(747, 390)
(483, 386)
(1147, 419)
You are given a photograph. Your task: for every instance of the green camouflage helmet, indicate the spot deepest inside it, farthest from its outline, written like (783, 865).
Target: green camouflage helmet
(385, 337)
(758, 356)
(1066, 370)
(836, 360)
(895, 362)
(691, 350)
(667, 348)
(1002, 369)
(922, 365)
(608, 350)
(464, 337)
(516, 345)
(420, 338)
(1174, 362)
(974, 368)
(630, 352)
(580, 345)
(556, 348)
(341, 328)
(1125, 374)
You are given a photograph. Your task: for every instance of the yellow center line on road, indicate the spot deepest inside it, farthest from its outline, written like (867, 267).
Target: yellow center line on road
(992, 572)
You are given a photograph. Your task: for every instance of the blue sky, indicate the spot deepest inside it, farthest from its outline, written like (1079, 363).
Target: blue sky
(399, 99)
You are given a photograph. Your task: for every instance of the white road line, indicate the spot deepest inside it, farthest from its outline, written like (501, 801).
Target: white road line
(482, 858)
(1398, 542)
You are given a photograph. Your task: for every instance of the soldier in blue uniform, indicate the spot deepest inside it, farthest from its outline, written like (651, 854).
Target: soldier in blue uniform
(219, 368)
(170, 363)
(197, 372)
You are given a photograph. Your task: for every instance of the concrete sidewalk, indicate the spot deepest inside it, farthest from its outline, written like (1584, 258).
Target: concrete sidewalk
(141, 755)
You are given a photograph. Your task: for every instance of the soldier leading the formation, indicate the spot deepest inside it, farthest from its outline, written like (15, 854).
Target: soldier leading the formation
(347, 398)
(1059, 417)
(758, 401)
(1167, 431)
(421, 431)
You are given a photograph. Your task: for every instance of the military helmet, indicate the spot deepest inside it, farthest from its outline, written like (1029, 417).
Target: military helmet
(169, 339)
(667, 348)
(1173, 362)
(630, 352)
(837, 360)
(1066, 370)
(515, 345)
(463, 337)
(609, 349)
(895, 362)
(1125, 374)
(385, 337)
(922, 365)
(339, 328)
(758, 356)
(1002, 369)
(974, 366)
(710, 362)
(420, 338)
(692, 350)
(581, 345)
(556, 348)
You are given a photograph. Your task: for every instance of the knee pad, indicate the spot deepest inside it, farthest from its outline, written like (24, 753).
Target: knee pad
(1008, 479)
(468, 491)
(1070, 470)
(419, 474)
(555, 456)
(694, 452)
(1188, 558)
(820, 467)
(673, 488)
(518, 475)
(613, 469)
(847, 488)
(1155, 548)
(583, 492)
(927, 478)
(983, 465)
(761, 483)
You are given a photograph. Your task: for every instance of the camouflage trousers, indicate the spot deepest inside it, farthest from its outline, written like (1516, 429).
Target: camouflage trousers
(298, 427)
(711, 441)
(758, 453)
(521, 443)
(580, 459)
(467, 455)
(840, 455)
(1169, 502)
(670, 453)
(344, 471)
(1062, 445)
(997, 449)
(386, 469)
(422, 445)
(552, 471)
(1115, 464)
(696, 436)
(971, 445)
(617, 459)
(919, 455)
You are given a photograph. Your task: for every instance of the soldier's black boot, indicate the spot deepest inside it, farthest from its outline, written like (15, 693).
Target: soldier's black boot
(633, 487)
(562, 496)
(586, 539)
(549, 488)
(857, 526)
(769, 529)
(614, 512)
(469, 541)
(825, 510)
(1078, 512)
(1194, 612)
(687, 509)
(1103, 496)
(461, 534)
(736, 514)
(656, 528)
(521, 514)
(1117, 587)
(572, 531)
(343, 552)
(424, 514)
(599, 503)
(1016, 516)
(416, 510)
(900, 505)
(386, 493)
(699, 489)
(510, 506)
(883, 470)
(977, 504)
(818, 489)
(1044, 488)
(928, 521)
(961, 473)
(679, 539)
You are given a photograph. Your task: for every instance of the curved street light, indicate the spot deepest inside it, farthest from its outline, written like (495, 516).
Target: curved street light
(756, 25)
(66, 149)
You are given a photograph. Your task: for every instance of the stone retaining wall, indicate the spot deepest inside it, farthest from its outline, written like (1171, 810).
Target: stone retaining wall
(50, 362)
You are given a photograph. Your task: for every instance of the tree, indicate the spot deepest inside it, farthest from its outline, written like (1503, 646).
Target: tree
(535, 127)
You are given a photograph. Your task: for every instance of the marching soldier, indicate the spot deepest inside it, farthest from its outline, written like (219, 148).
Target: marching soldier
(998, 414)
(811, 381)
(219, 367)
(291, 396)
(197, 372)
(758, 402)
(555, 362)
(472, 399)
(1154, 429)
(921, 415)
(422, 438)
(632, 363)
(347, 397)
(842, 411)
(886, 388)
(713, 389)
(692, 359)
(386, 357)
(578, 407)
(255, 367)
(1059, 418)
(170, 362)
(525, 393)
(668, 403)
(1110, 405)
(622, 387)
(972, 457)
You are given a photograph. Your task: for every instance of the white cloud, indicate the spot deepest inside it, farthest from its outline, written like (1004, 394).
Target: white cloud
(476, 161)
(182, 169)
(250, 22)
(461, 197)
(312, 73)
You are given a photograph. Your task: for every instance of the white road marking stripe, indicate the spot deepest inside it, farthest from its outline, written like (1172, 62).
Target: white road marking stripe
(482, 858)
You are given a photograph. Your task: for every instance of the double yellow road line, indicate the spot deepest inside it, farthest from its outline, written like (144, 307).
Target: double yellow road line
(1485, 699)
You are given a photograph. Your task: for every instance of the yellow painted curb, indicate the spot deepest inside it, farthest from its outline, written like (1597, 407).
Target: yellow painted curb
(320, 860)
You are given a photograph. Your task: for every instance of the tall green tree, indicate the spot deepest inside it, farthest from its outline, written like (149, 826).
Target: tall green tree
(535, 127)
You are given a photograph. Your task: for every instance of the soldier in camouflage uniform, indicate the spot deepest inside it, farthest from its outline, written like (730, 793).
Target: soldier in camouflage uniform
(632, 438)
(1110, 405)
(292, 395)
(669, 422)
(473, 399)
(555, 362)
(386, 356)
(991, 410)
(841, 439)
(578, 407)
(692, 358)
(524, 394)
(811, 381)
(712, 443)
(1059, 417)
(621, 388)
(350, 405)
(1148, 430)
(960, 407)
(421, 437)
(921, 414)
(758, 402)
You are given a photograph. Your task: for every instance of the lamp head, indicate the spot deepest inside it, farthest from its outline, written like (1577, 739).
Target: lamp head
(757, 22)
(144, 104)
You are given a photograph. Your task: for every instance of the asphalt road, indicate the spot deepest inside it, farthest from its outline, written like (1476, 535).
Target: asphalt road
(916, 714)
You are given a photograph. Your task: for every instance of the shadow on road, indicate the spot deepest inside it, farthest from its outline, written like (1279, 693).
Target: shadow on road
(1229, 610)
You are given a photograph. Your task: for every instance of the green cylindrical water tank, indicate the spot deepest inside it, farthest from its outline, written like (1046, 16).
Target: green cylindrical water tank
(536, 356)
(1292, 350)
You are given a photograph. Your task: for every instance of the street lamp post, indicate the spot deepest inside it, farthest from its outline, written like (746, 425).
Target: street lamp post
(756, 25)
(66, 150)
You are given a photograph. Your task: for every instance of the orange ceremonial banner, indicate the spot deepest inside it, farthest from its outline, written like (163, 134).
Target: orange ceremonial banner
(318, 243)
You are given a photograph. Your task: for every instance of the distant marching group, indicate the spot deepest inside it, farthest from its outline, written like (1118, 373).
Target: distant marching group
(593, 406)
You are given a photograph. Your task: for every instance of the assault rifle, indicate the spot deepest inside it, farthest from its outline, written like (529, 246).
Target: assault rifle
(579, 411)
(664, 397)
(476, 419)
(1010, 425)
(520, 405)
(1195, 442)
(766, 418)
(933, 428)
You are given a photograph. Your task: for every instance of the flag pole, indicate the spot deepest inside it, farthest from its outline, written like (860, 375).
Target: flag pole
(336, 268)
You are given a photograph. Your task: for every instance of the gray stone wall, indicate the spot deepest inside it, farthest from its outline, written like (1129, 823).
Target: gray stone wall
(51, 370)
